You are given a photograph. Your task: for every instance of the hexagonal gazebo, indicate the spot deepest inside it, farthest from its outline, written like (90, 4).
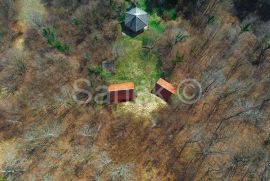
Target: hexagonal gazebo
(136, 20)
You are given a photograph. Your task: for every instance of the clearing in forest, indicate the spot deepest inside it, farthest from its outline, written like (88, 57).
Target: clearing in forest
(141, 66)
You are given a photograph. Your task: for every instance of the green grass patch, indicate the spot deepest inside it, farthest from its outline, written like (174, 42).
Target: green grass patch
(136, 65)
(150, 38)
(142, 4)
(2, 179)
(155, 24)
(98, 71)
(50, 35)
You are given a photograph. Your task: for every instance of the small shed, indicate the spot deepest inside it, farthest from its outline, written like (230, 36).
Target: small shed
(136, 20)
(121, 92)
(108, 65)
(164, 89)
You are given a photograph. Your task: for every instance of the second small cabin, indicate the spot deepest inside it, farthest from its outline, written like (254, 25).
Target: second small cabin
(164, 90)
(121, 92)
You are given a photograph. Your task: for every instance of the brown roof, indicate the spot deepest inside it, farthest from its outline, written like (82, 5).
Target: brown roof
(166, 85)
(119, 87)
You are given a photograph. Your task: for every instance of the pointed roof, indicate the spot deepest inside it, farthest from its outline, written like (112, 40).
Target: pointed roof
(136, 19)
(136, 11)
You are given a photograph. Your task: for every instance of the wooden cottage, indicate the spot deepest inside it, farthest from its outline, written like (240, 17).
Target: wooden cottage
(121, 92)
(164, 90)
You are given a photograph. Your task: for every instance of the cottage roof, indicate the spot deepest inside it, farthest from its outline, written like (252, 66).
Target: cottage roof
(166, 85)
(121, 87)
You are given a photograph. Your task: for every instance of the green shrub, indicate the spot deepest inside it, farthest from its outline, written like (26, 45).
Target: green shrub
(50, 35)
(142, 4)
(155, 24)
(170, 14)
(211, 20)
(78, 23)
(98, 71)
(2, 179)
(119, 8)
(60, 47)
(246, 27)
(94, 71)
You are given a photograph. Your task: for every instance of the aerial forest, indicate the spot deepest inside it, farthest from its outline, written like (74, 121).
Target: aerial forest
(56, 126)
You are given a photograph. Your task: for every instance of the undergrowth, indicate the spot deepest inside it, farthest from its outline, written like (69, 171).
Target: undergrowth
(52, 40)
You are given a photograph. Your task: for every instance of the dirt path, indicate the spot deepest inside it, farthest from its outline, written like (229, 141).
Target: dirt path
(30, 13)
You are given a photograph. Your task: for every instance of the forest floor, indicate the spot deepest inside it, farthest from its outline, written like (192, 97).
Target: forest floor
(28, 11)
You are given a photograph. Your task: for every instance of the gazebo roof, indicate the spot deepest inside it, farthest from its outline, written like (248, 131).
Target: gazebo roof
(136, 11)
(136, 19)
